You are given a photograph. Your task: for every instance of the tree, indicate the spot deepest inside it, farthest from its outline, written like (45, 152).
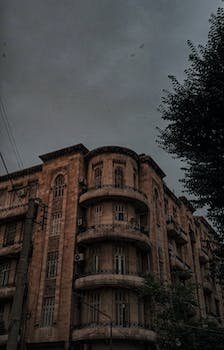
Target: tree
(173, 309)
(194, 111)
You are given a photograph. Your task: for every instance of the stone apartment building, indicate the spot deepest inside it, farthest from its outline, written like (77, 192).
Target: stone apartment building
(104, 219)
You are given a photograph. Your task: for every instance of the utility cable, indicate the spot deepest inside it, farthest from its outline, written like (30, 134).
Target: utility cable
(10, 134)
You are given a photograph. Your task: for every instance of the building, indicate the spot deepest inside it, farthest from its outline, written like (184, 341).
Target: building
(104, 218)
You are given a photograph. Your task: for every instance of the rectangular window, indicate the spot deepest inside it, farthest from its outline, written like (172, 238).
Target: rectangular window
(120, 211)
(3, 194)
(10, 233)
(55, 228)
(95, 255)
(52, 264)
(94, 301)
(119, 260)
(98, 177)
(4, 274)
(98, 212)
(121, 309)
(47, 312)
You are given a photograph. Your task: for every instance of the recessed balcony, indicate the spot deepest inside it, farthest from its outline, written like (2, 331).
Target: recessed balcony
(183, 269)
(13, 212)
(139, 199)
(10, 251)
(176, 232)
(109, 278)
(133, 331)
(123, 232)
(7, 291)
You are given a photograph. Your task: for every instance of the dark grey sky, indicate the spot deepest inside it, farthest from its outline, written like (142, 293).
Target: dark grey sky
(92, 71)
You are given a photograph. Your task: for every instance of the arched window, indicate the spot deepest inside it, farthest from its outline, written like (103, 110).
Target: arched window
(119, 177)
(59, 185)
(98, 177)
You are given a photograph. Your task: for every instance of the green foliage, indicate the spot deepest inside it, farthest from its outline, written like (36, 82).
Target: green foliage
(171, 306)
(194, 111)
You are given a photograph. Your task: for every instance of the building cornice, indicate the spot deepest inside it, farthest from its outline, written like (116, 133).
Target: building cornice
(112, 149)
(147, 159)
(79, 148)
(20, 173)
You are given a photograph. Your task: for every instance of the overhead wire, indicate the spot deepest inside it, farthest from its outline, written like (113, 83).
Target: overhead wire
(9, 132)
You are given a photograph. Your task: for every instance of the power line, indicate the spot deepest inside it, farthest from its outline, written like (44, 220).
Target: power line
(10, 134)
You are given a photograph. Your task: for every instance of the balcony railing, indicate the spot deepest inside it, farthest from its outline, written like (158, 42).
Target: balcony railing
(125, 324)
(111, 186)
(13, 211)
(109, 272)
(109, 227)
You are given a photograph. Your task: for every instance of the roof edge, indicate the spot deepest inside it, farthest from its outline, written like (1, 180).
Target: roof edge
(147, 159)
(79, 148)
(23, 172)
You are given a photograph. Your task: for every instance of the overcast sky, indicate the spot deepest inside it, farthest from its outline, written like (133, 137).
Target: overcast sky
(93, 71)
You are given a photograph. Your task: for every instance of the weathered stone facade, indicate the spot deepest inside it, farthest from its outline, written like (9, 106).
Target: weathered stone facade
(110, 219)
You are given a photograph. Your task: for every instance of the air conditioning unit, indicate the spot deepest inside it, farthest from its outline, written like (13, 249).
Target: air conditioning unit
(21, 193)
(79, 257)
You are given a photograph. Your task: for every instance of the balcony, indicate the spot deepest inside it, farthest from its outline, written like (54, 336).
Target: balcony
(13, 212)
(101, 331)
(8, 291)
(203, 256)
(178, 265)
(10, 251)
(109, 278)
(176, 232)
(208, 284)
(124, 232)
(131, 194)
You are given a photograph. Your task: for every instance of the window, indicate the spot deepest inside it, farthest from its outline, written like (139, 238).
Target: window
(4, 274)
(59, 184)
(3, 194)
(98, 177)
(121, 309)
(94, 301)
(119, 177)
(119, 260)
(98, 211)
(52, 263)
(55, 228)
(10, 233)
(47, 312)
(120, 212)
(95, 255)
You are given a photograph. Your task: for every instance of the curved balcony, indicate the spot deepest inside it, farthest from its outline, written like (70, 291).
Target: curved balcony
(10, 251)
(13, 212)
(176, 232)
(132, 331)
(125, 232)
(7, 292)
(131, 194)
(181, 267)
(109, 278)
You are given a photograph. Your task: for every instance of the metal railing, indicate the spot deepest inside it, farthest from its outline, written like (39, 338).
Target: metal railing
(109, 227)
